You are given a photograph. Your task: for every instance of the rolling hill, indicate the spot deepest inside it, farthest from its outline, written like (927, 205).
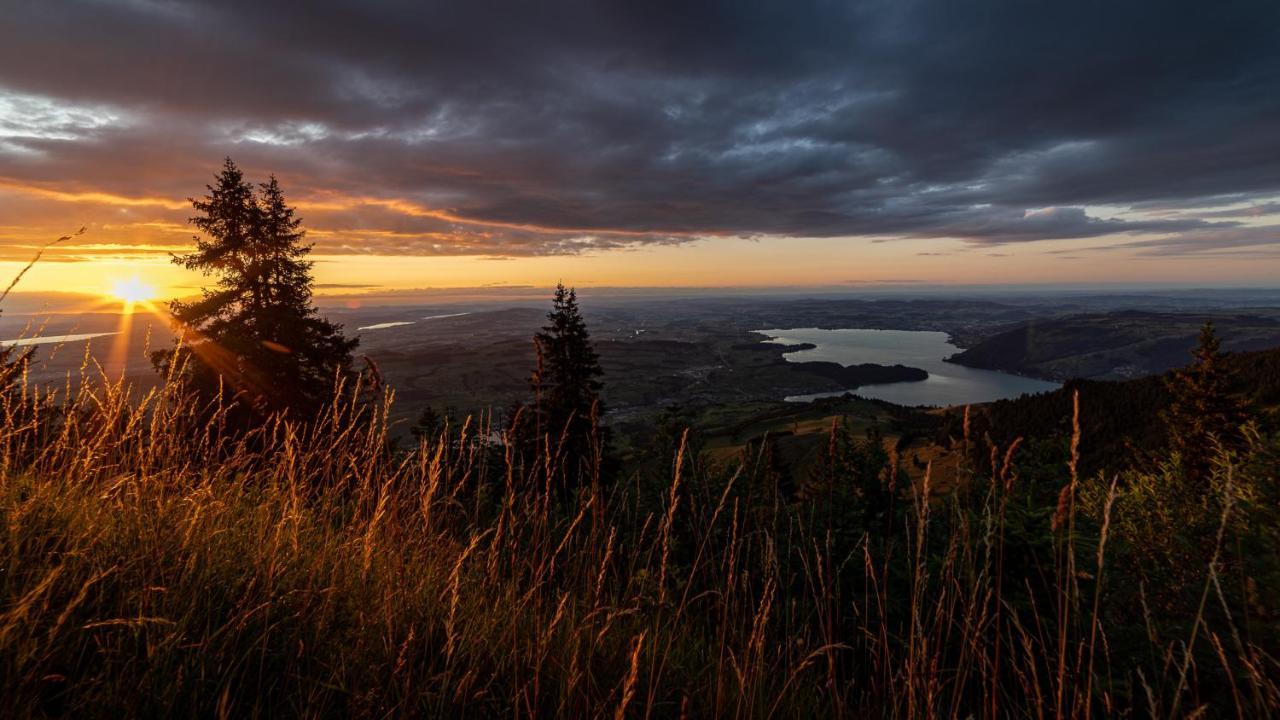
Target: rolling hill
(1116, 345)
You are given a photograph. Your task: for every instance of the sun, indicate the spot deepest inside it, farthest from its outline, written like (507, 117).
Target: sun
(132, 290)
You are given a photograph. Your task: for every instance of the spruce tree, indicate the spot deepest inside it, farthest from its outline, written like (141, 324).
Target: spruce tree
(1203, 413)
(566, 383)
(431, 423)
(848, 479)
(255, 334)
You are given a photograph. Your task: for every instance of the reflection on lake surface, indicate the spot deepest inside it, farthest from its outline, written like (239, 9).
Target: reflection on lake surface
(948, 384)
(47, 339)
(385, 325)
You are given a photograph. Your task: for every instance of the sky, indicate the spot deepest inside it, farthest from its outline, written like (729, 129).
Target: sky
(653, 144)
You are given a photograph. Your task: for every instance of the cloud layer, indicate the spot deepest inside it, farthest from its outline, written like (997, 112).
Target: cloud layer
(518, 128)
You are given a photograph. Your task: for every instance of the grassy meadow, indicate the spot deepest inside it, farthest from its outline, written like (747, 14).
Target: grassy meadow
(154, 564)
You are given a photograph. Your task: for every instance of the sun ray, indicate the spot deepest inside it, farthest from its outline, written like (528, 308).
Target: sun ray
(132, 293)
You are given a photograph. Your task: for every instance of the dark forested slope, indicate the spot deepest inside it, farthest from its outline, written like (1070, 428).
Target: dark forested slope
(1116, 345)
(1117, 417)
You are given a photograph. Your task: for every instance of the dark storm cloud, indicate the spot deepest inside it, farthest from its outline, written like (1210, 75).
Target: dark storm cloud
(537, 128)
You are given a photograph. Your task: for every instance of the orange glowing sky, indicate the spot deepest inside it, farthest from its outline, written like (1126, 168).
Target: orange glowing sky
(129, 237)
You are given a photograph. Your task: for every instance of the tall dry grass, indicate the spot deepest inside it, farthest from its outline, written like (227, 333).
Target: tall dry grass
(154, 563)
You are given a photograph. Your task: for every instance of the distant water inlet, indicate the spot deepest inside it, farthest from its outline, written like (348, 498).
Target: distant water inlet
(385, 325)
(400, 323)
(51, 339)
(948, 384)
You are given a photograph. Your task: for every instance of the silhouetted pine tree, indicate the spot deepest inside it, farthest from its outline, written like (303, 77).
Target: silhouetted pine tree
(769, 479)
(566, 384)
(848, 481)
(1203, 411)
(431, 423)
(256, 333)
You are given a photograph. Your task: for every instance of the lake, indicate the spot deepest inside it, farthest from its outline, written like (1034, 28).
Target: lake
(948, 384)
(49, 339)
(400, 323)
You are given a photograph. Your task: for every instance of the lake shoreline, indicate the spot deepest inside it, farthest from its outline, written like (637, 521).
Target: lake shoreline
(947, 383)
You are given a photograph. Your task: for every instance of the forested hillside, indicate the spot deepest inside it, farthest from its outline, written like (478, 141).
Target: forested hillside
(1122, 417)
(1115, 345)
